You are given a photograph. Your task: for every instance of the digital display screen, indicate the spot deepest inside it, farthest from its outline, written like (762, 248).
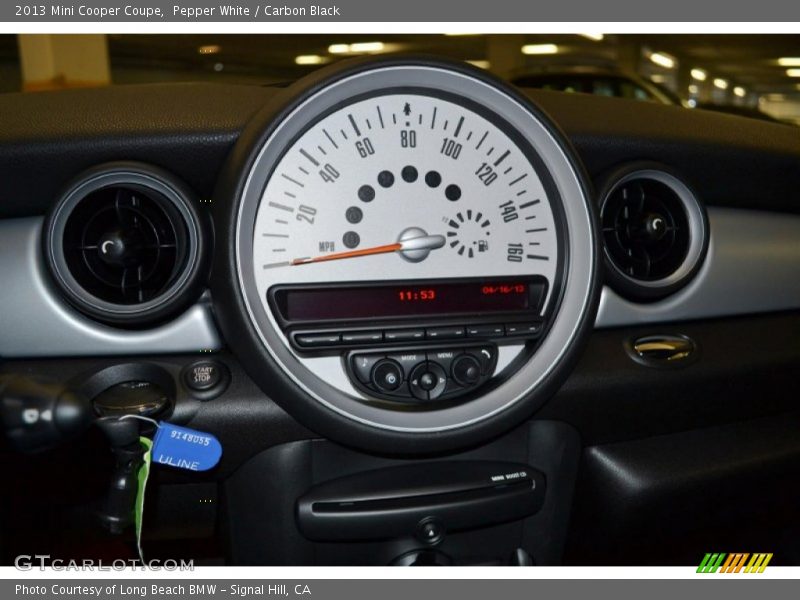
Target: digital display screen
(389, 301)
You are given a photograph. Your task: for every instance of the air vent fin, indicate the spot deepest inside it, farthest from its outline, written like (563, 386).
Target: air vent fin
(122, 245)
(646, 229)
(654, 232)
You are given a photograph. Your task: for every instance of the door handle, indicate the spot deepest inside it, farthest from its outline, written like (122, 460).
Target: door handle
(663, 350)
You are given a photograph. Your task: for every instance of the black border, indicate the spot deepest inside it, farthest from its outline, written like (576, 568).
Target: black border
(232, 311)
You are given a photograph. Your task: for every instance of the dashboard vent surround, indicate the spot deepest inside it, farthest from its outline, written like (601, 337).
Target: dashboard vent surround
(124, 243)
(655, 233)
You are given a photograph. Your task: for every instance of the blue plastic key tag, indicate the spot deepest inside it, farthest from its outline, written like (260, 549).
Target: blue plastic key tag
(185, 448)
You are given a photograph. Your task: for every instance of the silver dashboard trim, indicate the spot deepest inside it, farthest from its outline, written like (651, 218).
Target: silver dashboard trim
(752, 266)
(36, 322)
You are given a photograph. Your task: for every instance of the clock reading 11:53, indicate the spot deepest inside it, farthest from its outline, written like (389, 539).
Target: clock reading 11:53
(423, 295)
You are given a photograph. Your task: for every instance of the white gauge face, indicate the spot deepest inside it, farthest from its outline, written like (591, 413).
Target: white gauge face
(404, 186)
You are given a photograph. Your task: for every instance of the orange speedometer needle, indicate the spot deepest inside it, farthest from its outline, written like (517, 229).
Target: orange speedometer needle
(349, 254)
(414, 245)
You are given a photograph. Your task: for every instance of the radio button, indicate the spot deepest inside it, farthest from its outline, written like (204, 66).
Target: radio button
(427, 381)
(362, 366)
(485, 331)
(387, 375)
(362, 337)
(487, 357)
(439, 380)
(523, 329)
(445, 333)
(317, 340)
(466, 370)
(404, 335)
(415, 384)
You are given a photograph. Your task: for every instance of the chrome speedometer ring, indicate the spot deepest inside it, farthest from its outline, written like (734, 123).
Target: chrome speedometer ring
(430, 192)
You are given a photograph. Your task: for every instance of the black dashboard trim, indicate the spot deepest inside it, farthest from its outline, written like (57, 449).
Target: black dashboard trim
(47, 138)
(232, 311)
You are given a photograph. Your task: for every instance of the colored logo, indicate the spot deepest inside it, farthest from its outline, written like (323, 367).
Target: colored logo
(734, 563)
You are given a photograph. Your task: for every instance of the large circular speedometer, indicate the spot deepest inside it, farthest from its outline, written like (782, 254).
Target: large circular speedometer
(413, 254)
(434, 172)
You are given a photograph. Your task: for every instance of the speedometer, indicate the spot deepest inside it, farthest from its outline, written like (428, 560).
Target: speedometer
(414, 251)
(406, 185)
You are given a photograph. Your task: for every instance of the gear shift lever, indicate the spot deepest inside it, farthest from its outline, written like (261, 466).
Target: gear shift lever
(123, 435)
(38, 416)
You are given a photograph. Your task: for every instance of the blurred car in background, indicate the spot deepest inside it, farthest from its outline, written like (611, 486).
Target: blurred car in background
(600, 82)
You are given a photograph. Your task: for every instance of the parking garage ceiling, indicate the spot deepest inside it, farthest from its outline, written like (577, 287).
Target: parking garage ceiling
(747, 60)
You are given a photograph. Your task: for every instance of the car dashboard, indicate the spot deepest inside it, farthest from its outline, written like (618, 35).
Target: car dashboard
(431, 319)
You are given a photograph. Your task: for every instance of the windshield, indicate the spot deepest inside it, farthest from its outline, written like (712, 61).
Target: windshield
(724, 71)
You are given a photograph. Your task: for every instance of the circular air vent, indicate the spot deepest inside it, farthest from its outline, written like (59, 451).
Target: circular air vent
(655, 232)
(124, 243)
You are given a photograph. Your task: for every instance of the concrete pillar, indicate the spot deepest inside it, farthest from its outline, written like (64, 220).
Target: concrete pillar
(684, 79)
(629, 55)
(504, 53)
(51, 62)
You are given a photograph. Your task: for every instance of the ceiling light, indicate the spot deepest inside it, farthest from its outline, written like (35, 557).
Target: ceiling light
(663, 60)
(658, 78)
(209, 49)
(310, 59)
(694, 89)
(739, 91)
(699, 74)
(356, 48)
(595, 37)
(539, 49)
(483, 64)
(793, 72)
(721, 83)
(789, 61)
(366, 47)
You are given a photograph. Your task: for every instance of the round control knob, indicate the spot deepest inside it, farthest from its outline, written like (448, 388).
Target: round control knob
(466, 370)
(427, 381)
(387, 375)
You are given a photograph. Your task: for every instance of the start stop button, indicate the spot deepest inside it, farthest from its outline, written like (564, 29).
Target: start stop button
(206, 379)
